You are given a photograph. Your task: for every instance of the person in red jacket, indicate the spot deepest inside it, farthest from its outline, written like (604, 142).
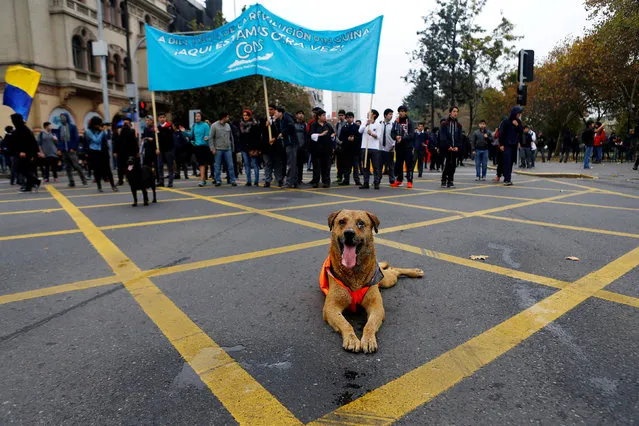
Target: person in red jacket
(600, 139)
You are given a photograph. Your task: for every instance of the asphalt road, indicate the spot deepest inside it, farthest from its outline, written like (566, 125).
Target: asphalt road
(205, 308)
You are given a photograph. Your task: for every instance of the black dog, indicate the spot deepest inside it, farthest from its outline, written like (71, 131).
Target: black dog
(140, 178)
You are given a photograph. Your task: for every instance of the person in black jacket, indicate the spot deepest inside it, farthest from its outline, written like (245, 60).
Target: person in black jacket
(28, 149)
(450, 143)
(149, 149)
(302, 144)
(183, 151)
(322, 135)
(420, 144)
(588, 139)
(403, 132)
(351, 143)
(288, 137)
(165, 151)
(510, 135)
(433, 149)
(273, 151)
(10, 150)
(125, 145)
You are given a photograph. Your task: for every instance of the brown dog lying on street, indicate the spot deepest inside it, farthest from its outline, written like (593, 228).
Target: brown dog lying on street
(351, 276)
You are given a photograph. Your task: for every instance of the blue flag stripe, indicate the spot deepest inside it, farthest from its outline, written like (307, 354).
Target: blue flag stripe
(17, 99)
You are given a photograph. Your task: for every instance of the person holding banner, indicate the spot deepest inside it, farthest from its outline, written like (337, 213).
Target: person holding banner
(273, 150)
(370, 150)
(322, 134)
(199, 136)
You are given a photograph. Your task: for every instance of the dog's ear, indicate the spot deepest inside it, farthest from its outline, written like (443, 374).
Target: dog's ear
(331, 219)
(375, 221)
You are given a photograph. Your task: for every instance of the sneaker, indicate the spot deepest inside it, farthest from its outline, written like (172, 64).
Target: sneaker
(170, 185)
(496, 179)
(233, 183)
(46, 181)
(477, 179)
(247, 184)
(365, 186)
(100, 190)
(70, 185)
(115, 189)
(268, 185)
(315, 185)
(219, 184)
(450, 185)
(201, 184)
(443, 185)
(25, 190)
(508, 184)
(344, 183)
(376, 186)
(409, 185)
(256, 184)
(396, 184)
(326, 185)
(634, 168)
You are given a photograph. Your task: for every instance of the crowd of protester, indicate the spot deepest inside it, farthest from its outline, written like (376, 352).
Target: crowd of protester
(281, 147)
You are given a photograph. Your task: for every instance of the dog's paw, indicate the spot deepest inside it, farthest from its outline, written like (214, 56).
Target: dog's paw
(418, 273)
(134, 205)
(369, 344)
(351, 343)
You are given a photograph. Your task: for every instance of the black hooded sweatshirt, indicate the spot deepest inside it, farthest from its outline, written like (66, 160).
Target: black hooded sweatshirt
(23, 137)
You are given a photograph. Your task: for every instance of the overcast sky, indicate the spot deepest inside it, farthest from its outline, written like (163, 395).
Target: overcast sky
(542, 26)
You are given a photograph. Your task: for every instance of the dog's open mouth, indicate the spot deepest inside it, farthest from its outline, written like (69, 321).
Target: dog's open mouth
(130, 167)
(349, 254)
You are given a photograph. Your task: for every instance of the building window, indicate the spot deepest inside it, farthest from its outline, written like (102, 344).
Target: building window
(123, 16)
(78, 51)
(91, 60)
(117, 68)
(125, 68)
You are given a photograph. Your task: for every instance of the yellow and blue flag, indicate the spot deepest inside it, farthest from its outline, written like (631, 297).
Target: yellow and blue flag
(20, 89)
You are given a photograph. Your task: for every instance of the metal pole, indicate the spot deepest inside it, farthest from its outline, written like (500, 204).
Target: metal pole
(268, 118)
(103, 66)
(125, 15)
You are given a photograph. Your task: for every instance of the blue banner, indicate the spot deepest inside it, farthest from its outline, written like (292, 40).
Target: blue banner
(259, 42)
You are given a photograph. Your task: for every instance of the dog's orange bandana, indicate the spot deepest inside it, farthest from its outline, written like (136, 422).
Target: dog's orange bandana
(356, 296)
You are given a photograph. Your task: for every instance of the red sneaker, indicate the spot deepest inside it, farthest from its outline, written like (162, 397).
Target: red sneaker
(409, 185)
(396, 184)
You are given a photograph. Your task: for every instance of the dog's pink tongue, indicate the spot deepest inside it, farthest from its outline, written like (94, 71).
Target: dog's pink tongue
(349, 257)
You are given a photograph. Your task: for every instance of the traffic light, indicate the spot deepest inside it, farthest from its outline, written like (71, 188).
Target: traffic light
(526, 66)
(522, 95)
(142, 108)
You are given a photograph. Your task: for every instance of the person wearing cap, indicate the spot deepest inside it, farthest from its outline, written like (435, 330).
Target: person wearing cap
(370, 153)
(403, 132)
(322, 136)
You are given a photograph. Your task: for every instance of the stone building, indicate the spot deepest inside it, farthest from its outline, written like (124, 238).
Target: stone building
(54, 38)
(347, 102)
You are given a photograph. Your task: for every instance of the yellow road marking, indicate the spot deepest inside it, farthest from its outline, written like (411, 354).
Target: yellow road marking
(31, 211)
(221, 373)
(165, 221)
(257, 211)
(39, 234)
(487, 267)
(58, 289)
(20, 200)
(128, 203)
(572, 228)
(618, 298)
(399, 397)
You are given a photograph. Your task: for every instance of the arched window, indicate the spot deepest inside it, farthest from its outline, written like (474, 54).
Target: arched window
(117, 68)
(125, 69)
(78, 52)
(91, 60)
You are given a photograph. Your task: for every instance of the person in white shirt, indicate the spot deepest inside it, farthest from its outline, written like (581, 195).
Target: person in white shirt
(370, 150)
(387, 145)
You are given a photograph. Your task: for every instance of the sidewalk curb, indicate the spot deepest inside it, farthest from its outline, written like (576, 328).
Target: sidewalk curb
(552, 175)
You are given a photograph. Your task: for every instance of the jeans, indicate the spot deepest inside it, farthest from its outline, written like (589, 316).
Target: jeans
(273, 164)
(70, 160)
(526, 157)
(481, 162)
(387, 159)
(227, 156)
(167, 158)
(291, 165)
(598, 154)
(3, 163)
(251, 163)
(374, 157)
(587, 156)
